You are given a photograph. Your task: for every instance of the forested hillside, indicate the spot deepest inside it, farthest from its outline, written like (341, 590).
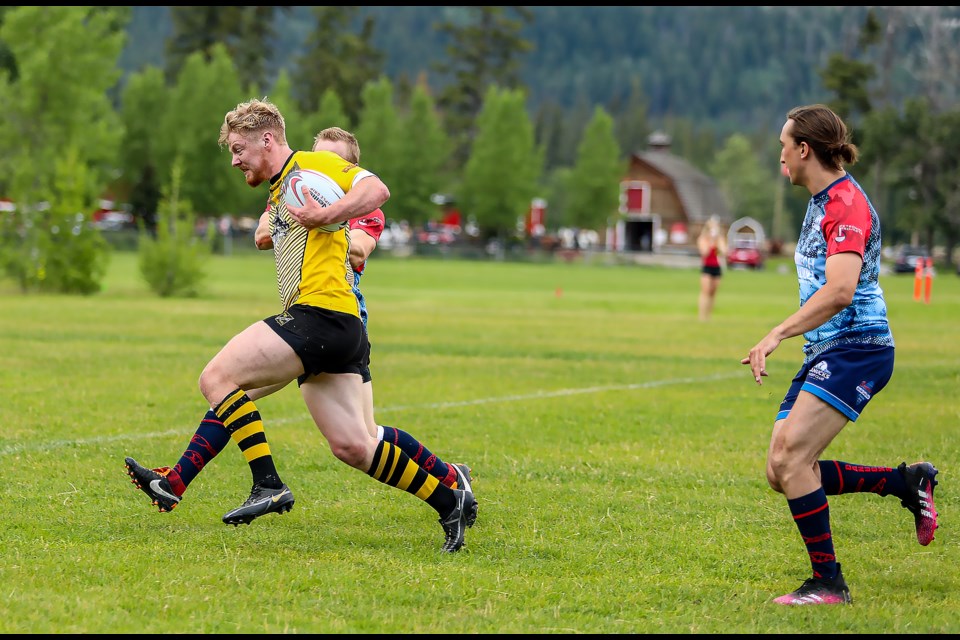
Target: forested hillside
(724, 67)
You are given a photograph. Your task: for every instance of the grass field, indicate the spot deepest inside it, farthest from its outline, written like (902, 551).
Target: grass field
(618, 448)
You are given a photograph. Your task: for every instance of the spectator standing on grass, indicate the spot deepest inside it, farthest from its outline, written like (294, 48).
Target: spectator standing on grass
(848, 353)
(713, 249)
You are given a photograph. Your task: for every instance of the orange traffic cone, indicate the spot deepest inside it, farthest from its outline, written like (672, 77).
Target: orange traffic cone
(928, 287)
(918, 280)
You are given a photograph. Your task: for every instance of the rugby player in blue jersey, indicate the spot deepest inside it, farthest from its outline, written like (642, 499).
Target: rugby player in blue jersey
(848, 353)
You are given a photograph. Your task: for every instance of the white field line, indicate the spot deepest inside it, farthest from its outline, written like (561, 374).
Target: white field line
(540, 395)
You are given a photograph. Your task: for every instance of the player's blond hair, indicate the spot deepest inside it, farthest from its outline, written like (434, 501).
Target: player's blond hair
(253, 117)
(336, 134)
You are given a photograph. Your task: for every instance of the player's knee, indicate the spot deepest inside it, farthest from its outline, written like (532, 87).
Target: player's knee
(351, 452)
(773, 480)
(212, 384)
(779, 466)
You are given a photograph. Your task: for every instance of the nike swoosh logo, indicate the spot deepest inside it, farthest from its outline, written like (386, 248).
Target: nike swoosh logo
(463, 481)
(270, 498)
(156, 488)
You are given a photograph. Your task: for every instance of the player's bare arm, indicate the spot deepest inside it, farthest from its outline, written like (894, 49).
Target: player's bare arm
(362, 245)
(843, 272)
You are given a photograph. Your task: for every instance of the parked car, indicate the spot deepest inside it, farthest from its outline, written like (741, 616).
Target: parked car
(906, 258)
(745, 254)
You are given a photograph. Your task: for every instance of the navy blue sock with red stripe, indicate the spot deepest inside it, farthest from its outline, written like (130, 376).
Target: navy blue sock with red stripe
(419, 454)
(842, 477)
(210, 439)
(811, 513)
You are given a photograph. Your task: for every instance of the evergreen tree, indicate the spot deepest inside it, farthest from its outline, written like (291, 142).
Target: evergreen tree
(557, 189)
(574, 123)
(695, 144)
(594, 189)
(254, 49)
(502, 174)
(247, 33)
(548, 128)
(337, 59)
(923, 154)
(483, 49)
(849, 80)
(632, 128)
(693, 61)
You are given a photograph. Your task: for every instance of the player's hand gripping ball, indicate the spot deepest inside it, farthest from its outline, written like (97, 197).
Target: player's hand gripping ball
(322, 188)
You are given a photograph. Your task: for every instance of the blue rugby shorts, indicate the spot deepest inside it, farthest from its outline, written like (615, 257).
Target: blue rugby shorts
(846, 377)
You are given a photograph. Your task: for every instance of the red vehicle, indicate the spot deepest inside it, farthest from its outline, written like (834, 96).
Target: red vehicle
(745, 254)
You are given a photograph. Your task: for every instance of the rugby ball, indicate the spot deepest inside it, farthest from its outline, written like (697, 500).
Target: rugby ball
(322, 188)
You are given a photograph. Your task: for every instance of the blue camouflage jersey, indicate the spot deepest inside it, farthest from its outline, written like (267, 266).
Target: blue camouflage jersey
(839, 219)
(360, 299)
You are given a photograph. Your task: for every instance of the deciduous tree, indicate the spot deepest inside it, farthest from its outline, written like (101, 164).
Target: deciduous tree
(502, 174)
(594, 190)
(60, 138)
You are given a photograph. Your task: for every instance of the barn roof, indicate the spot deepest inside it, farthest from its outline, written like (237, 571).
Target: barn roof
(698, 192)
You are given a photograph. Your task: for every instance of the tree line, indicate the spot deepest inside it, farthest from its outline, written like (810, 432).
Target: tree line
(73, 131)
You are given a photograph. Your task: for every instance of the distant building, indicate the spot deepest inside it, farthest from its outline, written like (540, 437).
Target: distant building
(664, 202)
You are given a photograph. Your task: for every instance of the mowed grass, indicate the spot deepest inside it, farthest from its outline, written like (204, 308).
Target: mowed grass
(618, 448)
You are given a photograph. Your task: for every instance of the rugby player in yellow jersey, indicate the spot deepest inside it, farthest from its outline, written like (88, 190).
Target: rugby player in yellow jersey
(364, 234)
(318, 338)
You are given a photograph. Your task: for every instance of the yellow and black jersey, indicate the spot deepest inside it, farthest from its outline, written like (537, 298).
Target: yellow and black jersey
(313, 267)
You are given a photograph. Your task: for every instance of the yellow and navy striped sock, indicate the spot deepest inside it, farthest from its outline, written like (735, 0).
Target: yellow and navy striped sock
(427, 460)
(242, 421)
(393, 467)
